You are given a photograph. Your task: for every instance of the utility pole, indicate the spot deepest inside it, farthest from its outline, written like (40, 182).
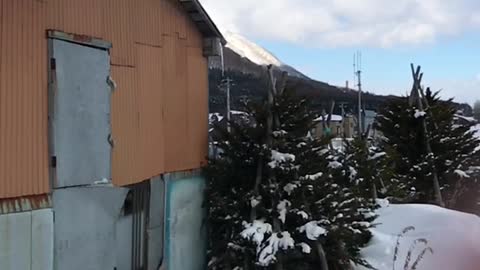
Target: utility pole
(357, 69)
(227, 84)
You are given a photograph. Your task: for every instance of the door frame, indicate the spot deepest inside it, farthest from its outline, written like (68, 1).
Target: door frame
(52, 86)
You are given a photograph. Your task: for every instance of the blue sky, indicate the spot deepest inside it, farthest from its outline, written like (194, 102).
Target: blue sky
(452, 65)
(319, 38)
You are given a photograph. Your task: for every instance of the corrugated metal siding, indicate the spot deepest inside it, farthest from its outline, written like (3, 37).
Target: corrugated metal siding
(198, 107)
(175, 109)
(23, 100)
(118, 16)
(150, 94)
(79, 17)
(149, 22)
(165, 77)
(125, 126)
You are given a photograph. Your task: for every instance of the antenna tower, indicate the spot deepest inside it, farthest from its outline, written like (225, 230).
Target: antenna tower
(357, 71)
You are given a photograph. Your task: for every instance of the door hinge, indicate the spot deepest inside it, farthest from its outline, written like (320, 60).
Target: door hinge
(53, 161)
(53, 64)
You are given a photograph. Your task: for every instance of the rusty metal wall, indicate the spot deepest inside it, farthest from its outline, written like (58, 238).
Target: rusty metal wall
(156, 61)
(23, 99)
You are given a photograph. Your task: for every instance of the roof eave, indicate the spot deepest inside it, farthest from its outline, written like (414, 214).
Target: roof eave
(201, 18)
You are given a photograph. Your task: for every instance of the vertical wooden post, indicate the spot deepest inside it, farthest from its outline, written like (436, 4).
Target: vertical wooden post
(415, 97)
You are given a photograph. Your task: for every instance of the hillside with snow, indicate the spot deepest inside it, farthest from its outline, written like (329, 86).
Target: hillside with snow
(244, 55)
(251, 50)
(423, 237)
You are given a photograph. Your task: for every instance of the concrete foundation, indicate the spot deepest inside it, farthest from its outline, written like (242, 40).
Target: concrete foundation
(26, 240)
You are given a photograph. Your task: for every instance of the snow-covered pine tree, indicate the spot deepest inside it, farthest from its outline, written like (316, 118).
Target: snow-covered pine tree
(305, 214)
(370, 169)
(452, 143)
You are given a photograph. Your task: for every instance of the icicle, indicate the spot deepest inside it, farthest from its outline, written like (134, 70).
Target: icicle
(222, 61)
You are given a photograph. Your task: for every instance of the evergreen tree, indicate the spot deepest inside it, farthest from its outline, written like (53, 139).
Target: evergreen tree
(452, 142)
(306, 206)
(370, 169)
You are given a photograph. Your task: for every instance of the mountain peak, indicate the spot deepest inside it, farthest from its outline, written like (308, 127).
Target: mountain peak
(248, 49)
(256, 54)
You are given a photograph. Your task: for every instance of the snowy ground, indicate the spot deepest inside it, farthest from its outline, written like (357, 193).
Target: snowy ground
(454, 238)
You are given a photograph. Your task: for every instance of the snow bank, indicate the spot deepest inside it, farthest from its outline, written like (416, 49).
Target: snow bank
(454, 238)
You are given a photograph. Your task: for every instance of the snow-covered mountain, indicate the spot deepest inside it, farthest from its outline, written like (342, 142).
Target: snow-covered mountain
(248, 49)
(254, 53)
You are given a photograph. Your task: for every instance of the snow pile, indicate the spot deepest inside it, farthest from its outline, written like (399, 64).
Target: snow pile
(423, 237)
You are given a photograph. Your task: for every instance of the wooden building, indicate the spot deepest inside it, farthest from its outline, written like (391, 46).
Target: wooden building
(157, 61)
(107, 93)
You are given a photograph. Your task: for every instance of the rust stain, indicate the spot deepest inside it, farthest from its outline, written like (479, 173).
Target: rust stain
(26, 203)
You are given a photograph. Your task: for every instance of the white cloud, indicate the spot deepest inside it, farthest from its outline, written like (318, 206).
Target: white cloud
(327, 23)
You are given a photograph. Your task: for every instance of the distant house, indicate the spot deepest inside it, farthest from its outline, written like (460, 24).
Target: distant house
(103, 133)
(339, 127)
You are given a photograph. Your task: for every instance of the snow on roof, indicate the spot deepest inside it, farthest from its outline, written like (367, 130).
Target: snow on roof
(453, 236)
(335, 118)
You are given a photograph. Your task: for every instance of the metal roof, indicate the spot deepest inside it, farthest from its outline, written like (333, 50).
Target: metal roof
(201, 19)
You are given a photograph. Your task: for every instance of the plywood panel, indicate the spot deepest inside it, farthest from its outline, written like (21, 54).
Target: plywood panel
(125, 127)
(23, 106)
(151, 97)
